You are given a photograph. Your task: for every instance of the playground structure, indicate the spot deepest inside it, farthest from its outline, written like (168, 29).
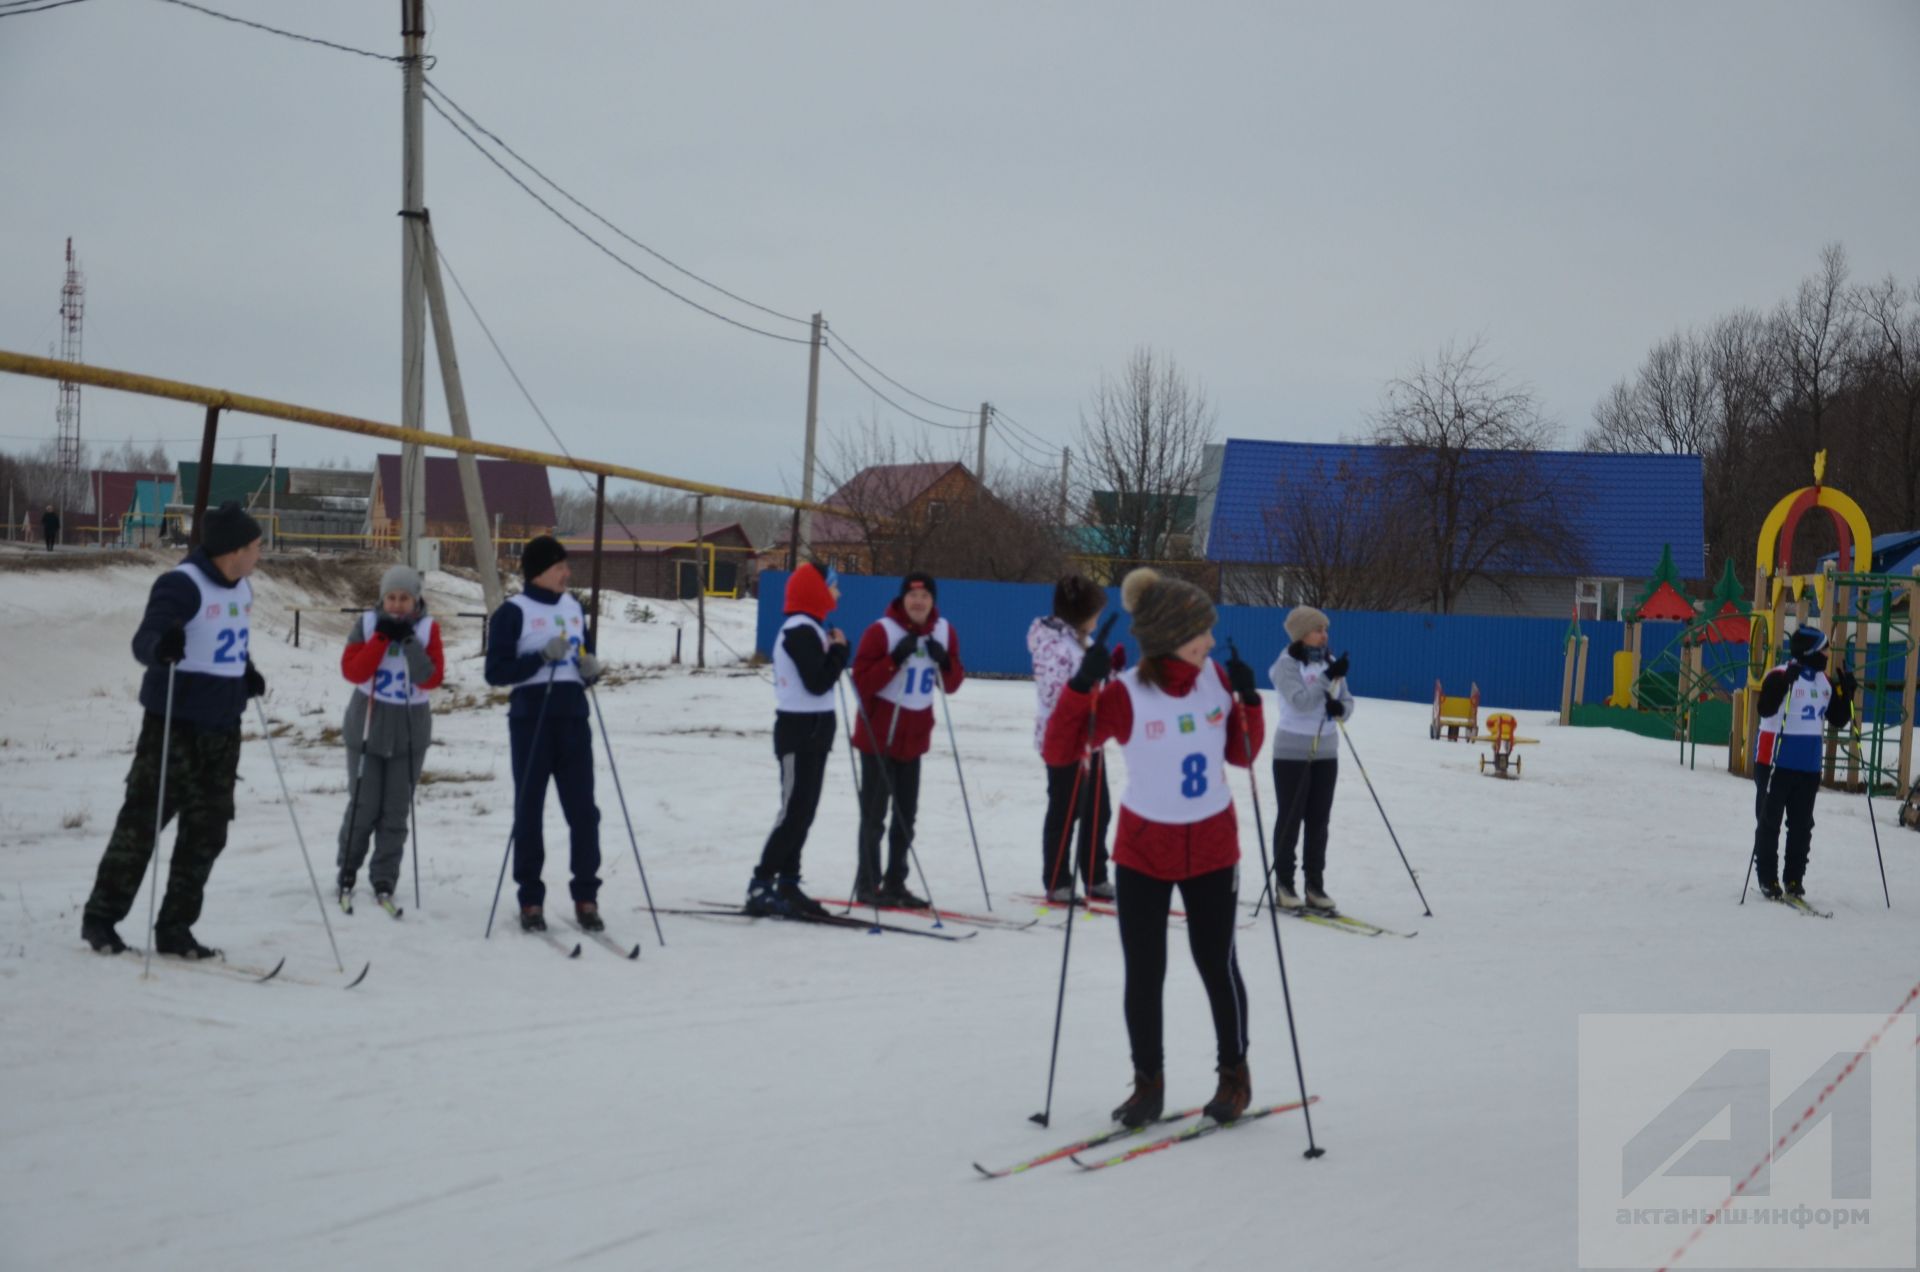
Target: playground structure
(1502, 735)
(1869, 619)
(1454, 714)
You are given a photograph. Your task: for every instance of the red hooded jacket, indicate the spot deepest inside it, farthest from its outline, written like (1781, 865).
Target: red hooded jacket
(874, 669)
(1158, 849)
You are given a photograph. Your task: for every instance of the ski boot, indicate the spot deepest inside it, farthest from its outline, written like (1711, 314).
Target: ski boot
(346, 898)
(100, 935)
(798, 904)
(1318, 901)
(764, 899)
(179, 942)
(1148, 1100)
(1285, 897)
(1769, 887)
(1231, 1097)
(531, 919)
(1796, 889)
(896, 894)
(1102, 891)
(1061, 896)
(587, 915)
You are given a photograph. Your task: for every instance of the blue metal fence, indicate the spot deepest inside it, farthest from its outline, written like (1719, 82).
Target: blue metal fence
(1516, 662)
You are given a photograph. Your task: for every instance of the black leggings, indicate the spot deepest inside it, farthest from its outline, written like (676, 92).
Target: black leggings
(1092, 812)
(1303, 792)
(1209, 899)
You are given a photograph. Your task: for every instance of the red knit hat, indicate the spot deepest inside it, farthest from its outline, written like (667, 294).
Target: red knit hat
(807, 593)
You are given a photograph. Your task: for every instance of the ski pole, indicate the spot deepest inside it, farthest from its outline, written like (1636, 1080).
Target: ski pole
(1862, 759)
(859, 796)
(947, 707)
(159, 819)
(353, 798)
(519, 789)
(1760, 816)
(628, 817)
(1045, 1116)
(413, 808)
(1383, 817)
(1273, 918)
(267, 732)
(893, 802)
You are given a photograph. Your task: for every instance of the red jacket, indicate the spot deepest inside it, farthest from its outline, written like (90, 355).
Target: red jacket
(1159, 849)
(873, 670)
(358, 663)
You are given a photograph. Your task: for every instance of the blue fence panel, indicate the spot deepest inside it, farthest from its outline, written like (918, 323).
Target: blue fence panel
(1517, 662)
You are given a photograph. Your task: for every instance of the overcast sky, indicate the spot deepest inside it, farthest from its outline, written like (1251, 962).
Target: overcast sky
(991, 201)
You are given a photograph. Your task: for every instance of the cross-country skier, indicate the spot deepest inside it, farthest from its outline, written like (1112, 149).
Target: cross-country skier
(536, 644)
(808, 657)
(197, 623)
(392, 659)
(1180, 720)
(1796, 705)
(1078, 790)
(1313, 694)
(893, 672)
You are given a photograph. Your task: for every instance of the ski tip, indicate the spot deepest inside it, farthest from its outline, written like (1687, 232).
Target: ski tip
(274, 972)
(985, 1173)
(362, 976)
(576, 950)
(1075, 1159)
(635, 951)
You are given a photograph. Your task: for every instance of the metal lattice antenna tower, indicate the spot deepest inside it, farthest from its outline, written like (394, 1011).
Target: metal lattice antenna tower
(73, 301)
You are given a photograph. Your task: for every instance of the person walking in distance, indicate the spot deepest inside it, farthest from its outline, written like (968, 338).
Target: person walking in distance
(1180, 719)
(808, 657)
(1313, 694)
(893, 672)
(393, 658)
(50, 527)
(195, 630)
(1797, 703)
(1076, 791)
(536, 646)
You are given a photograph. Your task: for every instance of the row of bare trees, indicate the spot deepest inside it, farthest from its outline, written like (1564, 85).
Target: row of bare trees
(1835, 366)
(35, 479)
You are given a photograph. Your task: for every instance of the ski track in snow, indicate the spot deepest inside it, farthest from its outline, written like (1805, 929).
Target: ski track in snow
(762, 1090)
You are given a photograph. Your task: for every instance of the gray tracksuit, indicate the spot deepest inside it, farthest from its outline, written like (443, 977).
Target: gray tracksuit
(395, 747)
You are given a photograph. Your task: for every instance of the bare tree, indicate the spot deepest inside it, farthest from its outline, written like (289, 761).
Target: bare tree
(1889, 318)
(1331, 538)
(1812, 336)
(1466, 478)
(1665, 409)
(1010, 534)
(1143, 441)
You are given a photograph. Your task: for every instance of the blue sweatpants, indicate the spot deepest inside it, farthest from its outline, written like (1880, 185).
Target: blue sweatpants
(564, 754)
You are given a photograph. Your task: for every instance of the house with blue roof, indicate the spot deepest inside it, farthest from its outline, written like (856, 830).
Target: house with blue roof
(1613, 515)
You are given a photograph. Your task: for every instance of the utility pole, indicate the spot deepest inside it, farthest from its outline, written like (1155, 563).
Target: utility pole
(700, 568)
(980, 464)
(805, 540)
(1066, 465)
(413, 292)
(273, 482)
(484, 562)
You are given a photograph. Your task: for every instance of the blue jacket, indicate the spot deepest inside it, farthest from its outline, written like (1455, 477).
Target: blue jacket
(210, 702)
(527, 672)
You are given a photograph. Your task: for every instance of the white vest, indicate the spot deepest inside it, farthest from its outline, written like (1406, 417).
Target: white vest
(912, 686)
(1309, 723)
(789, 691)
(1790, 738)
(1176, 758)
(540, 623)
(391, 682)
(218, 632)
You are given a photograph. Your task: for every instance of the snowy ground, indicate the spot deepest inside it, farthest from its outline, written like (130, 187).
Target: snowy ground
(752, 1093)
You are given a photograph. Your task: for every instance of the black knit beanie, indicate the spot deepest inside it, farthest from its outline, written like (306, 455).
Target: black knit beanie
(228, 529)
(541, 554)
(919, 578)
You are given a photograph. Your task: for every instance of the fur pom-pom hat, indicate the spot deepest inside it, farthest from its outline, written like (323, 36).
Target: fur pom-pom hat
(1167, 613)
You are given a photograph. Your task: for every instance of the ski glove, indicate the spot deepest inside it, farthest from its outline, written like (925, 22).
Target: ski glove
(256, 683)
(557, 650)
(171, 647)
(1337, 668)
(589, 668)
(1240, 676)
(1844, 681)
(1095, 665)
(394, 629)
(938, 652)
(904, 647)
(1335, 708)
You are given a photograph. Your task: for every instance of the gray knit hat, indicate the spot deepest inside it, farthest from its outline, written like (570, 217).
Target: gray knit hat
(1167, 613)
(1304, 620)
(402, 578)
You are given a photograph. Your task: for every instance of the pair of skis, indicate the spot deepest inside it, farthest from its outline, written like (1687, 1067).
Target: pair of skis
(600, 938)
(1206, 1126)
(1338, 921)
(718, 910)
(1799, 903)
(253, 973)
(346, 904)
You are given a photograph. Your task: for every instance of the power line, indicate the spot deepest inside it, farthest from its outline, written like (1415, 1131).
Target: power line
(1018, 448)
(1026, 432)
(569, 197)
(958, 428)
(575, 227)
(273, 30)
(957, 410)
(17, 13)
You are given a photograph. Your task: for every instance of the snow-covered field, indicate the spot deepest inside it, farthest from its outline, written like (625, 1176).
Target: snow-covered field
(783, 1095)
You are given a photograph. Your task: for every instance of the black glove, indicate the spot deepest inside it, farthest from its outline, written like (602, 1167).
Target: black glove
(1843, 681)
(1095, 665)
(1337, 668)
(904, 647)
(1335, 708)
(1299, 652)
(171, 647)
(256, 683)
(938, 652)
(394, 629)
(1240, 676)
